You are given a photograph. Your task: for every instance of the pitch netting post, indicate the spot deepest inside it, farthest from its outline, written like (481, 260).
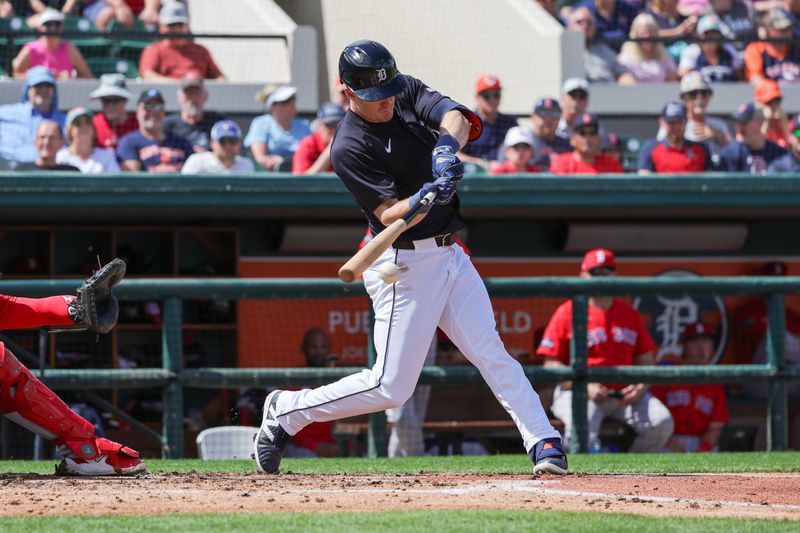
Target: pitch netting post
(172, 348)
(377, 445)
(776, 358)
(579, 438)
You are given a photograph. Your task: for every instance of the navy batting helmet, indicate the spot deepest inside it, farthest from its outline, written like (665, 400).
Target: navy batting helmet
(369, 70)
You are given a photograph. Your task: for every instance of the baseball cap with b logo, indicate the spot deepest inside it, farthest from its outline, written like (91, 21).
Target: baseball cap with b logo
(599, 257)
(697, 330)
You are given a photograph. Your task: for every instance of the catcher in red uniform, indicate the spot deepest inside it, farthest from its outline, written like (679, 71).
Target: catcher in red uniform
(700, 411)
(616, 336)
(30, 403)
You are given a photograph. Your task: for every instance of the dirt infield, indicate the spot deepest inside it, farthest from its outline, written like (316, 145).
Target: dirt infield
(756, 495)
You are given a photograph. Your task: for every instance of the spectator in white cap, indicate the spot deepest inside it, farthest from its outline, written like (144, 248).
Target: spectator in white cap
(63, 58)
(717, 61)
(313, 154)
(518, 151)
(224, 158)
(274, 136)
(177, 55)
(81, 151)
(696, 93)
(574, 103)
(193, 123)
(113, 121)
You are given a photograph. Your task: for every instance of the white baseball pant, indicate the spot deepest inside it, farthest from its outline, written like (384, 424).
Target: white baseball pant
(440, 287)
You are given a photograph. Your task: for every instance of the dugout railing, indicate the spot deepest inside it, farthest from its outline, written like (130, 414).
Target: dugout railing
(172, 378)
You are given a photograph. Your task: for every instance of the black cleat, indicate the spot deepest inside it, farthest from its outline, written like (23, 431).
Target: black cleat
(271, 439)
(549, 458)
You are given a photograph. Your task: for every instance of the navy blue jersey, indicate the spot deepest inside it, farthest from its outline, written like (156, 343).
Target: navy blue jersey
(379, 161)
(738, 157)
(785, 163)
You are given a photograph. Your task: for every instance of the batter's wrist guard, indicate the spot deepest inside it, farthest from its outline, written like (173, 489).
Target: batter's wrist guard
(447, 142)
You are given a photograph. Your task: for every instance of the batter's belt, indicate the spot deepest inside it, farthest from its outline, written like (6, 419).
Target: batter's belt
(447, 239)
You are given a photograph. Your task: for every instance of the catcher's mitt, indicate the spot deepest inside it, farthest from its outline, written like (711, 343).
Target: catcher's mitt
(96, 306)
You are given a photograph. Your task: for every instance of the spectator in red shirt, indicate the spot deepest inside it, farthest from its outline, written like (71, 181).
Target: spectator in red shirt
(699, 411)
(770, 99)
(313, 153)
(585, 157)
(176, 56)
(112, 122)
(779, 61)
(674, 154)
(518, 149)
(616, 336)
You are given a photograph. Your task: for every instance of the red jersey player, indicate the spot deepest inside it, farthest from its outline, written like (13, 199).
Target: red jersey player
(701, 410)
(616, 336)
(30, 403)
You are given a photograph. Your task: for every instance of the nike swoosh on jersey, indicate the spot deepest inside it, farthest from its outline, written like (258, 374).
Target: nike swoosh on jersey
(388, 147)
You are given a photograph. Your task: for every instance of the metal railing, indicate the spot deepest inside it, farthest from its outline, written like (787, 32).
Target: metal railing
(173, 378)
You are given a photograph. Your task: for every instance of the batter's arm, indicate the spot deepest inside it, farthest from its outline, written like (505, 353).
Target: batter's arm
(454, 123)
(393, 209)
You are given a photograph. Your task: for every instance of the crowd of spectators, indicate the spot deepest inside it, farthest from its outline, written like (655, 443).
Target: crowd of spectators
(702, 44)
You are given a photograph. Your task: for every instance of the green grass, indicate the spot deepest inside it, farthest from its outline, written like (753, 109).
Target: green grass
(775, 462)
(502, 521)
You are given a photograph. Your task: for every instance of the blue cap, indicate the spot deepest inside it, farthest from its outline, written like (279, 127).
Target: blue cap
(151, 94)
(673, 111)
(225, 128)
(546, 106)
(747, 112)
(39, 74)
(708, 23)
(585, 119)
(330, 113)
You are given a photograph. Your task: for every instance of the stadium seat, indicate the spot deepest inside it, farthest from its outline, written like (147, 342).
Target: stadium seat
(9, 26)
(226, 442)
(90, 46)
(111, 65)
(128, 43)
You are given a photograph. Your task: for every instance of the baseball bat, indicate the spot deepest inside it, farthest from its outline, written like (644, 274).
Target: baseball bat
(357, 264)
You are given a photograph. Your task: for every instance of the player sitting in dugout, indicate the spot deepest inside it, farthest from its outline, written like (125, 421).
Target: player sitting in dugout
(700, 410)
(30, 403)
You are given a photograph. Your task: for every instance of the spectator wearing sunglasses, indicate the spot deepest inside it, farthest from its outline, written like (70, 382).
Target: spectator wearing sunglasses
(485, 150)
(223, 158)
(586, 157)
(150, 149)
(60, 56)
(696, 94)
(791, 161)
(544, 124)
(113, 121)
(518, 151)
(673, 153)
(616, 336)
(574, 103)
(600, 62)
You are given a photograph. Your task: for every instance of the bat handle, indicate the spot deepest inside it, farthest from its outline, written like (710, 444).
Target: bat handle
(426, 201)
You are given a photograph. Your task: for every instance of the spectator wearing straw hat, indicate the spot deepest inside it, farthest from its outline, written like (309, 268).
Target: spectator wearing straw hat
(274, 136)
(113, 121)
(177, 55)
(751, 151)
(779, 61)
(518, 151)
(223, 156)
(313, 153)
(485, 150)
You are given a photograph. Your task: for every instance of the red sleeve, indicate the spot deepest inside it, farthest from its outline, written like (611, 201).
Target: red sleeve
(212, 70)
(720, 412)
(753, 64)
(19, 313)
(149, 60)
(304, 156)
(559, 165)
(555, 341)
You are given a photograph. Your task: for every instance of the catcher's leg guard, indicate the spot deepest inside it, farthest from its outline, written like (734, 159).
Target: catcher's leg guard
(30, 403)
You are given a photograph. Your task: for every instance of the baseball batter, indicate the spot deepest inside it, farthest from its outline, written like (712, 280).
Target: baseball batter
(30, 403)
(396, 144)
